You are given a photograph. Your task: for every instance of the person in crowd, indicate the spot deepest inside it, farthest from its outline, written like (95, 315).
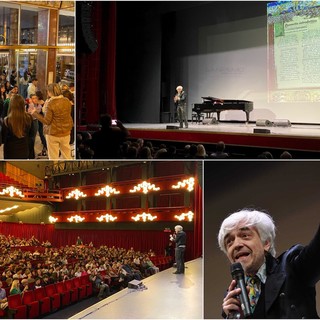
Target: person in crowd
(180, 99)
(13, 78)
(79, 241)
(15, 287)
(23, 83)
(286, 155)
(58, 123)
(17, 130)
(106, 143)
(3, 298)
(180, 239)
(40, 102)
(103, 289)
(32, 88)
(277, 288)
(201, 152)
(69, 95)
(3, 97)
(220, 153)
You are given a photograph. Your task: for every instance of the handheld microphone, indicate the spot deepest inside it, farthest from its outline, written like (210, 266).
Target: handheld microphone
(237, 274)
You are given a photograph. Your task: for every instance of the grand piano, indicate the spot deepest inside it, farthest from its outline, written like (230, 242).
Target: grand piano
(212, 104)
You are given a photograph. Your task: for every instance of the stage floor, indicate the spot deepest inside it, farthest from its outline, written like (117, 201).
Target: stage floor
(168, 296)
(296, 137)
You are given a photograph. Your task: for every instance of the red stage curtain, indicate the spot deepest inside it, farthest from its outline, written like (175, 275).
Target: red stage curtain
(197, 250)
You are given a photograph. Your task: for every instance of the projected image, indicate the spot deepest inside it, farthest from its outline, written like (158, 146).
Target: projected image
(294, 51)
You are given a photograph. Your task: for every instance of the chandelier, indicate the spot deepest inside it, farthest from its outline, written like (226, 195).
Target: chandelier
(76, 194)
(53, 219)
(144, 217)
(144, 187)
(107, 217)
(183, 216)
(107, 191)
(186, 183)
(12, 192)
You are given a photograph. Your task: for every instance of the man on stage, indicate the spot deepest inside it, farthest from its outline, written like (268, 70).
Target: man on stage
(277, 288)
(180, 238)
(180, 102)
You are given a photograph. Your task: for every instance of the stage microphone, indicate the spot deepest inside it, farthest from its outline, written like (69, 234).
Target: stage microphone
(237, 274)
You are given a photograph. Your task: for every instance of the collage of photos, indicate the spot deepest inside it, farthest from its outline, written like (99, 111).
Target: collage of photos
(159, 159)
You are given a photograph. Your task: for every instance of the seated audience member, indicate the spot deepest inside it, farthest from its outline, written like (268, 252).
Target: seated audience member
(285, 155)
(265, 155)
(220, 154)
(15, 287)
(3, 298)
(103, 289)
(201, 152)
(145, 153)
(106, 143)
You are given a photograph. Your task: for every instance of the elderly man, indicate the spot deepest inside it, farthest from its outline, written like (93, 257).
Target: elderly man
(180, 238)
(282, 287)
(180, 102)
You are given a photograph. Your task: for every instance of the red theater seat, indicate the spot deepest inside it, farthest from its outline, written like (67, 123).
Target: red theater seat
(41, 296)
(74, 294)
(82, 290)
(51, 292)
(88, 284)
(16, 308)
(33, 308)
(64, 293)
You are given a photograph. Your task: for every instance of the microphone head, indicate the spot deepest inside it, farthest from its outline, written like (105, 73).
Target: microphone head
(236, 271)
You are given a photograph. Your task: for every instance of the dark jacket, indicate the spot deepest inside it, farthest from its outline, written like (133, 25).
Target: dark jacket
(289, 292)
(181, 238)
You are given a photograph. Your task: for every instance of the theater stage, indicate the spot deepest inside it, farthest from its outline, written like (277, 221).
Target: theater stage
(297, 137)
(168, 296)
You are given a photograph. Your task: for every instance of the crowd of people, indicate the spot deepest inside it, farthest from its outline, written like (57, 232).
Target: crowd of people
(25, 112)
(109, 268)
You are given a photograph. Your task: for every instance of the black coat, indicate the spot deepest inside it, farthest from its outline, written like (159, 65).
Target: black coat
(289, 291)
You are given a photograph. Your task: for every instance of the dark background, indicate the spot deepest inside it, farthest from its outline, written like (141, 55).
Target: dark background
(289, 191)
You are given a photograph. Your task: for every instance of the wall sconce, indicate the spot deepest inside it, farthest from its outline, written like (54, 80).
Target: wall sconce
(187, 184)
(107, 191)
(144, 217)
(75, 219)
(12, 192)
(76, 194)
(53, 219)
(183, 216)
(107, 217)
(144, 187)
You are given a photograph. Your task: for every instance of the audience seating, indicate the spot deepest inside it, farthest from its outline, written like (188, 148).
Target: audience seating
(84, 280)
(82, 290)
(64, 293)
(32, 304)
(51, 292)
(16, 309)
(44, 300)
(74, 294)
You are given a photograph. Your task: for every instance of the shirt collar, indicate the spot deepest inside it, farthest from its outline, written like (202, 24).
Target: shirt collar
(262, 273)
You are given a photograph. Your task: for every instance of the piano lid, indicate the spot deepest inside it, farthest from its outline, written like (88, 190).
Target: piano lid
(212, 99)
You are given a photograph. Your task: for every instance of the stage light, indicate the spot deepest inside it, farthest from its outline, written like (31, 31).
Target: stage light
(187, 184)
(52, 219)
(12, 192)
(76, 219)
(144, 217)
(183, 216)
(107, 191)
(107, 217)
(144, 187)
(76, 194)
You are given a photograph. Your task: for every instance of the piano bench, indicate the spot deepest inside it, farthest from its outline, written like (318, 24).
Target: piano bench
(198, 118)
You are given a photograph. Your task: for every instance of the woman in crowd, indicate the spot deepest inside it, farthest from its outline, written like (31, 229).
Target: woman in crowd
(15, 287)
(57, 122)
(16, 130)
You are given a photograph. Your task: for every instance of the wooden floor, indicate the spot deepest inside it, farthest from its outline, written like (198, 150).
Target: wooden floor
(168, 296)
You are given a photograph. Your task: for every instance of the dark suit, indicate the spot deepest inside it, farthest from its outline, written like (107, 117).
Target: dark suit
(289, 291)
(180, 240)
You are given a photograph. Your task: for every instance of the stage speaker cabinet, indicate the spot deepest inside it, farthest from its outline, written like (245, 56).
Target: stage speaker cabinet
(134, 284)
(263, 123)
(281, 123)
(210, 121)
(172, 127)
(260, 130)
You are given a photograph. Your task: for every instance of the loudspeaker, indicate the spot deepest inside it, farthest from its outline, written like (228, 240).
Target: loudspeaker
(86, 41)
(172, 127)
(259, 130)
(263, 123)
(134, 284)
(282, 123)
